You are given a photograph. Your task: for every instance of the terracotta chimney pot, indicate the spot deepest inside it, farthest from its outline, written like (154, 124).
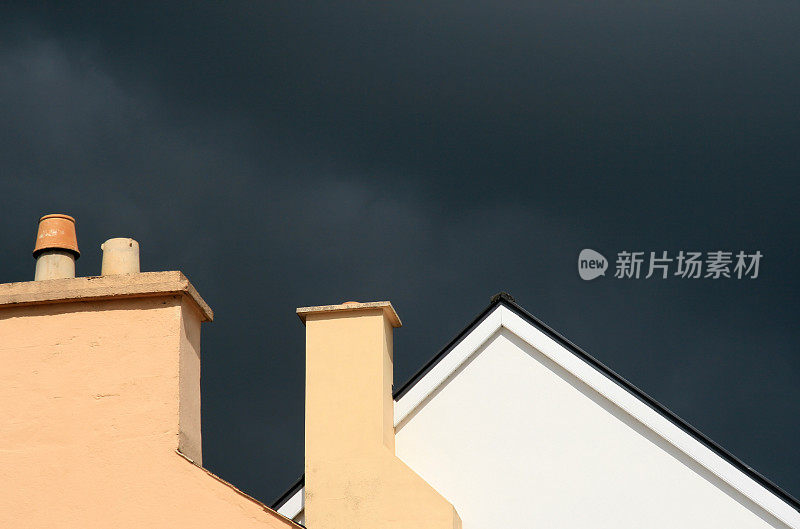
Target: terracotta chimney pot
(56, 232)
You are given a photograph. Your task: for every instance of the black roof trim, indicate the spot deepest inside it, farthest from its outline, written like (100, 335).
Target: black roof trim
(283, 498)
(430, 364)
(507, 300)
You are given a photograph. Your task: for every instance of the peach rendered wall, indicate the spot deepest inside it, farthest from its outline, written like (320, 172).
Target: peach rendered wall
(95, 397)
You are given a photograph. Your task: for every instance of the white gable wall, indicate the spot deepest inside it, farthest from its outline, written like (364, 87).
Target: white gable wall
(514, 439)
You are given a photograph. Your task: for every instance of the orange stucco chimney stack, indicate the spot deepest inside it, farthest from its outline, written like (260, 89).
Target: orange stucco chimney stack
(101, 359)
(353, 479)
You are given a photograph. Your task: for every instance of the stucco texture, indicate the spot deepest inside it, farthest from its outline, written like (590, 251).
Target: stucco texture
(90, 415)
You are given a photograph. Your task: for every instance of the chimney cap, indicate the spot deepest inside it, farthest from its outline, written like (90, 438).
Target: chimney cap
(98, 288)
(352, 306)
(56, 232)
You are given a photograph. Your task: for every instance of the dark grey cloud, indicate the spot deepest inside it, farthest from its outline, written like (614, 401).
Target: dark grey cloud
(287, 154)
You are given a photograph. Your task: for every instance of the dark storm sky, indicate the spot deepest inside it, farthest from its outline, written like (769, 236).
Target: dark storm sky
(285, 154)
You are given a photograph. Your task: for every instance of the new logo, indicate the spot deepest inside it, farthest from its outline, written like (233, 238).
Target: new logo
(591, 264)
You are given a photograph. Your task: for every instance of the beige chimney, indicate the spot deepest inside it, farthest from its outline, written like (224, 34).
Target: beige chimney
(353, 479)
